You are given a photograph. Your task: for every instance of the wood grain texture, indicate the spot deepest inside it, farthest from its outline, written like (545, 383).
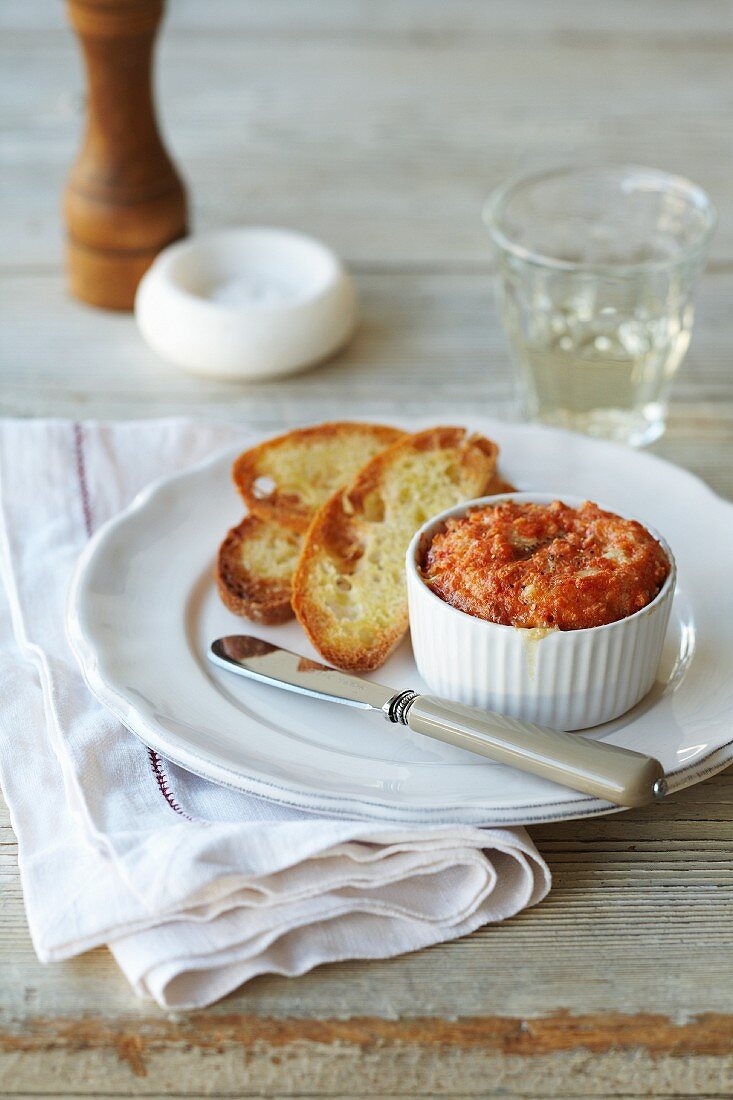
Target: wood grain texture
(381, 126)
(428, 341)
(635, 940)
(410, 1055)
(124, 201)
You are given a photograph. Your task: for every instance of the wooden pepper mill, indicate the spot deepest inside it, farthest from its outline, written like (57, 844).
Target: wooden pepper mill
(124, 200)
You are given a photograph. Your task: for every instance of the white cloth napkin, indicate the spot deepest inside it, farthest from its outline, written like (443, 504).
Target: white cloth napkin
(196, 888)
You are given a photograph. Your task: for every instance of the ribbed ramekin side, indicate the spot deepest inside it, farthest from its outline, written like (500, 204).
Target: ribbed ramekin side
(568, 680)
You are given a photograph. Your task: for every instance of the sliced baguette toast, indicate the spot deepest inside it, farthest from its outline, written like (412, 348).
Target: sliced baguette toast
(498, 485)
(256, 559)
(254, 570)
(349, 587)
(285, 480)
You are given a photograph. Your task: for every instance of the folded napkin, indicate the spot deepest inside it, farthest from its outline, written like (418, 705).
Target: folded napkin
(196, 888)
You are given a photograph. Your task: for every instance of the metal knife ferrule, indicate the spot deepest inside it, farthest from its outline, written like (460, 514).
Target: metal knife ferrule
(397, 708)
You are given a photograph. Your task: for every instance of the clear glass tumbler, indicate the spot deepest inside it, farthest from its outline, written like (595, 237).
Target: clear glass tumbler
(596, 268)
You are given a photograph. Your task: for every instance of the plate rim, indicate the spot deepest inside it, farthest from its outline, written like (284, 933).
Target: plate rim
(152, 735)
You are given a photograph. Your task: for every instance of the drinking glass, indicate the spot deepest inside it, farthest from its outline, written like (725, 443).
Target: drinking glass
(596, 268)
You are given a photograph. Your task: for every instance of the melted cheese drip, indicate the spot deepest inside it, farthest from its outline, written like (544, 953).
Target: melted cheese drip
(532, 636)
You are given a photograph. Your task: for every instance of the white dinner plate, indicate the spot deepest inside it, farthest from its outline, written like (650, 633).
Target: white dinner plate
(143, 609)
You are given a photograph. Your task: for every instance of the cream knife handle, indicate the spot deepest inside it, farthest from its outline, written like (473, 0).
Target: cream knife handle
(618, 775)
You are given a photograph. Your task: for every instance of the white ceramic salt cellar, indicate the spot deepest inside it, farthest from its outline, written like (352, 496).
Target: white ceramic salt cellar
(246, 303)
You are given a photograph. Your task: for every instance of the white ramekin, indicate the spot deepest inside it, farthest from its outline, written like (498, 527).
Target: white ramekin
(568, 679)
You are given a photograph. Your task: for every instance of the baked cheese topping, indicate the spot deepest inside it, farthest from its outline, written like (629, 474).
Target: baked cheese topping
(545, 565)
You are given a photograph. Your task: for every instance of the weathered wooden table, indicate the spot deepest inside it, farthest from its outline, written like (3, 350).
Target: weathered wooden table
(380, 127)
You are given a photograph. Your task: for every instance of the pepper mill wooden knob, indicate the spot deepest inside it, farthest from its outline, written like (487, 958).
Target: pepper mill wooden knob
(124, 200)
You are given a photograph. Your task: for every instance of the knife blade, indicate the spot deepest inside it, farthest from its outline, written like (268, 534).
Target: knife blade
(620, 776)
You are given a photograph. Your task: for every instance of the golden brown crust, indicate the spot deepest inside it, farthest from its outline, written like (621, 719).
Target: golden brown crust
(499, 485)
(263, 599)
(340, 535)
(284, 504)
(545, 565)
(333, 532)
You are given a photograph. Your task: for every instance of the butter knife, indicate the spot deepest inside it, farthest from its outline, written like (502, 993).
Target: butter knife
(617, 775)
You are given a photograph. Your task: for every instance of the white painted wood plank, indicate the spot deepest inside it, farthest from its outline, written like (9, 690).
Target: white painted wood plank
(640, 920)
(421, 336)
(674, 21)
(426, 343)
(386, 148)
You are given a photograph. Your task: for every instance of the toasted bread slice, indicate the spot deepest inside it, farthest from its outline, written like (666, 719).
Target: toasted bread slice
(285, 480)
(349, 586)
(498, 485)
(254, 570)
(256, 561)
